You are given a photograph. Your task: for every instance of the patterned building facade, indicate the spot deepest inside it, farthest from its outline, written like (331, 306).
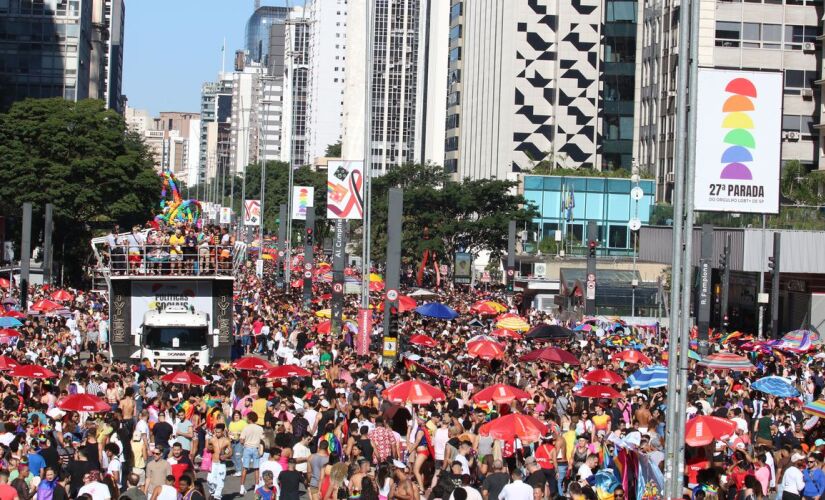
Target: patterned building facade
(525, 86)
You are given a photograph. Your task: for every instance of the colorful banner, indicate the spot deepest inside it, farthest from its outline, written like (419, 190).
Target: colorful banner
(463, 272)
(252, 212)
(345, 190)
(226, 215)
(738, 139)
(302, 198)
(362, 341)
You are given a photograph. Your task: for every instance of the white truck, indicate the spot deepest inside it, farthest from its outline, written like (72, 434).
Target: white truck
(175, 334)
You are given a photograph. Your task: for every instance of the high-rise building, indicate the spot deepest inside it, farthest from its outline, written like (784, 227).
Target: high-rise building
(327, 53)
(524, 86)
(215, 136)
(172, 138)
(774, 35)
(296, 90)
(46, 49)
(106, 63)
(258, 29)
(406, 92)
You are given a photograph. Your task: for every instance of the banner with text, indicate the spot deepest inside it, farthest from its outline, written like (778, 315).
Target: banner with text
(738, 139)
(345, 189)
(252, 212)
(302, 198)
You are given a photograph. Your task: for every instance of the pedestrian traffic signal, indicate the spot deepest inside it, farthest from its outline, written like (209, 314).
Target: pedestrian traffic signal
(771, 263)
(309, 236)
(592, 249)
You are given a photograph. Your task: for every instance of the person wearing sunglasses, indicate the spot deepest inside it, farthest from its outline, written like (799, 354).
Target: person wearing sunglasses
(814, 478)
(156, 471)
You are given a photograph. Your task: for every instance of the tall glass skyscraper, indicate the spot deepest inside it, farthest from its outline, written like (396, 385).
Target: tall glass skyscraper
(257, 31)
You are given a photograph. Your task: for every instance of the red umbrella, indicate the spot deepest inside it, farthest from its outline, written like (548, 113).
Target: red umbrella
(298, 283)
(31, 371)
(83, 402)
(603, 377)
(7, 363)
(703, 430)
(252, 363)
(287, 371)
(15, 314)
(4, 283)
(423, 341)
(8, 332)
(514, 425)
(376, 286)
(415, 392)
(324, 327)
(484, 309)
(598, 391)
(405, 304)
(62, 295)
(551, 355)
(185, 378)
(485, 349)
(45, 305)
(500, 394)
(632, 356)
(504, 333)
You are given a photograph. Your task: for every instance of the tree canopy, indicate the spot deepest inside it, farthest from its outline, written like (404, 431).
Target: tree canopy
(79, 157)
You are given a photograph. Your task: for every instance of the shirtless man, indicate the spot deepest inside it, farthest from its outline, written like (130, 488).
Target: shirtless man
(643, 417)
(403, 488)
(127, 404)
(222, 455)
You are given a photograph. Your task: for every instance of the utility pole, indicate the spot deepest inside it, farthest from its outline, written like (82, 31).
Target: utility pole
(25, 255)
(47, 245)
(511, 256)
(773, 265)
(590, 292)
(309, 264)
(704, 286)
(725, 269)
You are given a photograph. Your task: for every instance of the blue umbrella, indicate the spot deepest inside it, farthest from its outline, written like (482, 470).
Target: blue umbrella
(649, 377)
(436, 310)
(6, 322)
(777, 386)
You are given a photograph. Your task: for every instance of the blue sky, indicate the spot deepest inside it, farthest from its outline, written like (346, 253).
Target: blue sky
(173, 46)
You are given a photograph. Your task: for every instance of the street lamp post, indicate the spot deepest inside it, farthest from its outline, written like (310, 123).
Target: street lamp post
(636, 194)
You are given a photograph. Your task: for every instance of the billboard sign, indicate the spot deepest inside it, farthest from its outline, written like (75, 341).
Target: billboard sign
(226, 215)
(345, 190)
(463, 273)
(302, 198)
(252, 212)
(738, 138)
(146, 295)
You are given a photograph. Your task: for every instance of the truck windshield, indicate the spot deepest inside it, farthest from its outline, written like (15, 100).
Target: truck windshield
(189, 338)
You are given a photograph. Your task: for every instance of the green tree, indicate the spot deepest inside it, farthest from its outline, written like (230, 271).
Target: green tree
(333, 150)
(79, 157)
(469, 216)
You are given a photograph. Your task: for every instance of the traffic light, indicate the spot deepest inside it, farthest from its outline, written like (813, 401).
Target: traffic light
(723, 261)
(592, 249)
(309, 233)
(772, 264)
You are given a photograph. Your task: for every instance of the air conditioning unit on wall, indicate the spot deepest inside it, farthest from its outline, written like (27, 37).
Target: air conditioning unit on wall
(540, 269)
(809, 47)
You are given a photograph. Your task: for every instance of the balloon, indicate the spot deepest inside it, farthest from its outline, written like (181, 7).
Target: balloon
(177, 209)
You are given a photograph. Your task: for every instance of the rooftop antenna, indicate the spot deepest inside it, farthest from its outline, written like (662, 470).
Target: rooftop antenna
(223, 57)
(257, 4)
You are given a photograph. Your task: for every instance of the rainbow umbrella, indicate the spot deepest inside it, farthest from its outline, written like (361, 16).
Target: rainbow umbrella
(815, 408)
(516, 324)
(727, 361)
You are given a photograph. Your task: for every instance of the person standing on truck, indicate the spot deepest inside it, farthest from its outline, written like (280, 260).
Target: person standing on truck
(176, 242)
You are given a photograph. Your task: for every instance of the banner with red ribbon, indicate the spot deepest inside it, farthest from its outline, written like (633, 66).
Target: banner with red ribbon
(362, 340)
(345, 190)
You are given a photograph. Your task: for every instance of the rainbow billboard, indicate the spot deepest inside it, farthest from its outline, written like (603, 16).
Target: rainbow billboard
(738, 140)
(302, 198)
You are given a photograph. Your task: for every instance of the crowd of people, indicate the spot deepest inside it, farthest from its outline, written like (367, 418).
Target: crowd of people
(331, 432)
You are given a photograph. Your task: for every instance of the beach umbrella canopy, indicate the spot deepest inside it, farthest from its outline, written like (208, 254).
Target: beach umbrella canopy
(423, 293)
(423, 341)
(405, 303)
(515, 323)
(704, 429)
(9, 322)
(62, 295)
(514, 425)
(603, 377)
(252, 363)
(727, 361)
(648, 377)
(632, 356)
(4, 283)
(8, 332)
(777, 386)
(551, 355)
(436, 310)
(500, 394)
(799, 335)
(598, 392)
(543, 331)
(414, 392)
(7, 363)
(504, 333)
(324, 327)
(83, 402)
(489, 305)
(31, 371)
(376, 286)
(484, 310)
(324, 313)
(287, 371)
(14, 314)
(485, 349)
(184, 378)
(45, 305)
(815, 408)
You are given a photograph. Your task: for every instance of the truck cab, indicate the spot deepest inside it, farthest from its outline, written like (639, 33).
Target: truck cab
(173, 334)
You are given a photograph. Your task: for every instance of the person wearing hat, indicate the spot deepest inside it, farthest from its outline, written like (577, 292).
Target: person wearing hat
(793, 482)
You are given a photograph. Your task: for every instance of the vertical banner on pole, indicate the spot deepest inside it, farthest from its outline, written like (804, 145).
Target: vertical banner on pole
(252, 212)
(362, 341)
(339, 244)
(302, 198)
(279, 263)
(25, 255)
(392, 278)
(704, 283)
(345, 190)
(309, 263)
(511, 255)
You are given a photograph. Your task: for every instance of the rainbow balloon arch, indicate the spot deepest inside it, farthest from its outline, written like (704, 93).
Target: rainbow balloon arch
(177, 210)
